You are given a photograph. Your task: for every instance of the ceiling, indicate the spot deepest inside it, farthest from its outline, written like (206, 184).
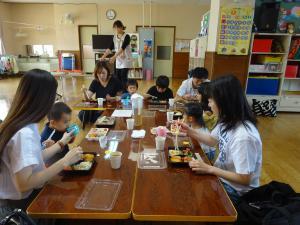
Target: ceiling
(198, 2)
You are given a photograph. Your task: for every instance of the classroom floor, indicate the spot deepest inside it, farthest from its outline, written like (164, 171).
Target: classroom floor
(280, 135)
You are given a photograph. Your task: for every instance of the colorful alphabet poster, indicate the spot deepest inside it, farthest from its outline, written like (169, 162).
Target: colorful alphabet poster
(235, 30)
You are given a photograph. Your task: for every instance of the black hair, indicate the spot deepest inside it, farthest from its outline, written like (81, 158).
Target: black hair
(98, 69)
(57, 110)
(132, 82)
(162, 81)
(204, 91)
(119, 24)
(200, 73)
(195, 110)
(231, 101)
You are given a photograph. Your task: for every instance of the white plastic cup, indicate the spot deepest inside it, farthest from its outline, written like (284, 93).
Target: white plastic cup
(100, 101)
(170, 116)
(160, 143)
(130, 124)
(115, 160)
(171, 102)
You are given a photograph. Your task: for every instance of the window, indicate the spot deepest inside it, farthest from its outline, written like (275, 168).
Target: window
(1, 47)
(41, 50)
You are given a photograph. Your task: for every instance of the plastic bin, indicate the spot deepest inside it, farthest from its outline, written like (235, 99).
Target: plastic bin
(291, 71)
(262, 86)
(262, 45)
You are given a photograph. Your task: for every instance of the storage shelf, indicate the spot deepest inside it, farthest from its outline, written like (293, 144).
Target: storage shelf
(269, 53)
(294, 60)
(291, 93)
(266, 72)
(273, 34)
(290, 78)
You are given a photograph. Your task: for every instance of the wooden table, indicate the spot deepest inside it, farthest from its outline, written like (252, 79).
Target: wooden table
(172, 194)
(177, 193)
(57, 199)
(80, 105)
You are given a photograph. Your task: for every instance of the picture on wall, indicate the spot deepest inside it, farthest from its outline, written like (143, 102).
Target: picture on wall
(289, 17)
(148, 48)
(235, 30)
(134, 42)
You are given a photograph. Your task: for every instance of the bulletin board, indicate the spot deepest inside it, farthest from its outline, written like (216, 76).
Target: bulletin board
(235, 27)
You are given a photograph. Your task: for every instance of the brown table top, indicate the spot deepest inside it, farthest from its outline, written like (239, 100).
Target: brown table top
(57, 199)
(172, 194)
(178, 194)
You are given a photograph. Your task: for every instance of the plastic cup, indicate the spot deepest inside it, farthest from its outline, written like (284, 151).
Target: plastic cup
(170, 116)
(100, 101)
(171, 102)
(115, 160)
(130, 124)
(160, 143)
(103, 141)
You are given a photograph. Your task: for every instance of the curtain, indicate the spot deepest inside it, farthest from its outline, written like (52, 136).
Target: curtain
(2, 49)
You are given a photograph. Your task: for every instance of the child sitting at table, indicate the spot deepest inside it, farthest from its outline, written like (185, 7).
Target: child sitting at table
(161, 90)
(131, 87)
(188, 90)
(209, 118)
(59, 119)
(194, 117)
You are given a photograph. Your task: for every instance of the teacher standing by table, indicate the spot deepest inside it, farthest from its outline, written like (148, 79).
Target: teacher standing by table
(122, 56)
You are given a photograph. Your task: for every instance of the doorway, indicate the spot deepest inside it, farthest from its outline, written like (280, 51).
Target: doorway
(164, 45)
(87, 55)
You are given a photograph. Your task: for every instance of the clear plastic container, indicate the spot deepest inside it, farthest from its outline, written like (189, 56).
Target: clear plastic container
(99, 195)
(116, 135)
(152, 160)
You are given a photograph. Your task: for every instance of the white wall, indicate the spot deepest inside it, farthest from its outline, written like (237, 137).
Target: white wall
(185, 17)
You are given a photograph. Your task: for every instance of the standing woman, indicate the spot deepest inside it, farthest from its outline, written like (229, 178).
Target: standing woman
(22, 168)
(122, 56)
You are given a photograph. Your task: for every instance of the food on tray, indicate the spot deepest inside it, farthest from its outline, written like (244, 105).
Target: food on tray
(187, 159)
(177, 113)
(175, 152)
(186, 143)
(95, 133)
(184, 155)
(88, 157)
(82, 166)
(175, 159)
(105, 120)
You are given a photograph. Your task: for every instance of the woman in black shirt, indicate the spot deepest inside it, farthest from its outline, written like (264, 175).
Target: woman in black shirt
(103, 86)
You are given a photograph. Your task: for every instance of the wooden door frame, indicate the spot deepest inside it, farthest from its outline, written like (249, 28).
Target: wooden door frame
(140, 26)
(79, 38)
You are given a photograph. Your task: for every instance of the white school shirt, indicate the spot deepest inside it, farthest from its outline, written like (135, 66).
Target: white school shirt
(125, 59)
(240, 152)
(23, 150)
(186, 87)
(205, 147)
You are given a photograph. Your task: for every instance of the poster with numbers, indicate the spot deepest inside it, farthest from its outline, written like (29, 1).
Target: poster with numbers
(234, 30)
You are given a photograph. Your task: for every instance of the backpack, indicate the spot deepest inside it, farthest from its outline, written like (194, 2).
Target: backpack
(271, 204)
(264, 107)
(17, 217)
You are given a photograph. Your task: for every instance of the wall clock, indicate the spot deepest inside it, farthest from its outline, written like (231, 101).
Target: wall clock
(111, 14)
